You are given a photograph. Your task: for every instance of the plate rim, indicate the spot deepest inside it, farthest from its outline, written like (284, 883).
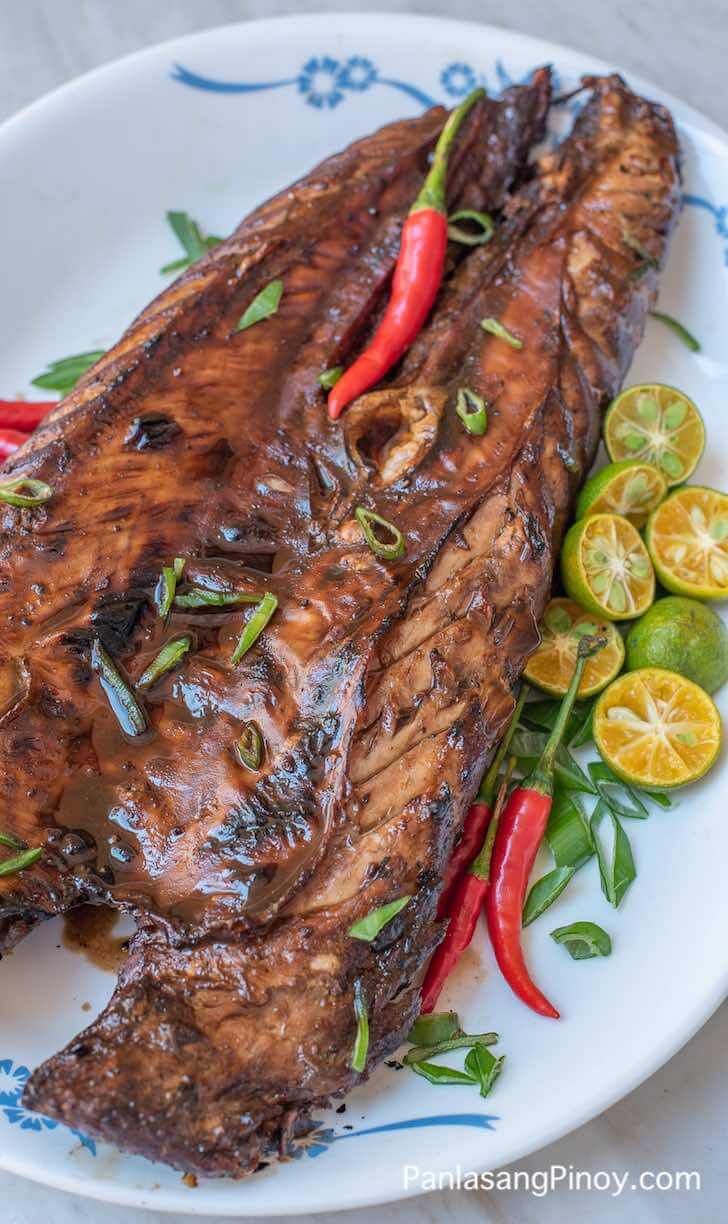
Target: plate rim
(545, 50)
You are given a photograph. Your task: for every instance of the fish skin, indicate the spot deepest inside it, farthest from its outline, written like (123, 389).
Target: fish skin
(252, 1032)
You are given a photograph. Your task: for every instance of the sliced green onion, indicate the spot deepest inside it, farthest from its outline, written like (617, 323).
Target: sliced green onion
(361, 1041)
(472, 410)
(367, 519)
(199, 597)
(494, 328)
(437, 1074)
(368, 928)
(9, 839)
(618, 795)
(63, 375)
(583, 940)
(20, 861)
(38, 491)
(467, 237)
(567, 831)
(255, 626)
(329, 378)
(467, 1041)
(648, 261)
(191, 239)
(128, 711)
(263, 305)
(484, 1067)
(679, 329)
(249, 747)
(616, 864)
(167, 586)
(168, 657)
(434, 1027)
(545, 891)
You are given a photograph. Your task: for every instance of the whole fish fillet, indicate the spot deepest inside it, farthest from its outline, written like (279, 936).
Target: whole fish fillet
(379, 687)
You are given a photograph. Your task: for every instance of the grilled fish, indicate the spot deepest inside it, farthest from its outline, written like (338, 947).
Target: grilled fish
(378, 687)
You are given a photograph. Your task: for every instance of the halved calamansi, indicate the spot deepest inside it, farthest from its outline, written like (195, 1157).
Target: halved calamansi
(659, 425)
(606, 568)
(551, 666)
(687, 537)
(654, 728)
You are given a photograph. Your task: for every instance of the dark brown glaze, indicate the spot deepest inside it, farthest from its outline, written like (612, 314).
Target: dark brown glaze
(380, 688)
(193, 439)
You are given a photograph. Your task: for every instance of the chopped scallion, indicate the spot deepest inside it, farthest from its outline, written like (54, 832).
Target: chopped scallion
(361, 1041)
(249, 747)
(263, 305)
(20, 861)
(168, 657)
(389, 551)
(128, 711)
(38, 491)
(494, 328)
(467, 237)
(368, 927)
(255, 626)
(472, 410)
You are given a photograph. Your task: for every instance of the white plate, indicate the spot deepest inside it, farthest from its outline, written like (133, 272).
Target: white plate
(214, 123)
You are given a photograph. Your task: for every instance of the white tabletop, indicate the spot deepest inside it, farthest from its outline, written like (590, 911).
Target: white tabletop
(677, 1120)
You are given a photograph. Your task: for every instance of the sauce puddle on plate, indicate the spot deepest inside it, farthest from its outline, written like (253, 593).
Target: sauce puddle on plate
(89, 930)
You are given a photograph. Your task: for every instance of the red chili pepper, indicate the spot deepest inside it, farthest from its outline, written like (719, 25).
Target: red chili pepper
(467, 902)
(417, 276)
(519, 836)
(16, 414)
(10, 440)
(477, 820)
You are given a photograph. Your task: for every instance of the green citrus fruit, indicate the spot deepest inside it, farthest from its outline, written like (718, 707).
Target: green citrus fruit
(630, 488)
(683, 636)
(687, 537)
(656, 729)
(606, 569)
(659, 425)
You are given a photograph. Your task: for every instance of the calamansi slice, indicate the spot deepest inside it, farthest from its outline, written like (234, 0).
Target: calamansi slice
(630, 488)
(551, 666)
(659, 425)
(688, 541)
(606, 568)
(655, 728)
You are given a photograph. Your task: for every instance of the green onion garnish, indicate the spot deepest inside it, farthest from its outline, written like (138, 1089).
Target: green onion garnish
(679, 329)
(545, 891)
(484, 1067)
(437, 1074)
(9, 839)
(63, 375)
(465, 1042)
(472, 410)
(391, 551)
(20, 861)
(129, 713)
(168, 657)
(361, 1041)
(199, 597)
(469, 238)
(167, 586)
(255, 626)
(329, 378)
(194, 243)
(249, 747)
(583, 940)
(263, 305)
(648, 261)
(434, 1027)
(38, 491)
(368, 928)
(494, 328)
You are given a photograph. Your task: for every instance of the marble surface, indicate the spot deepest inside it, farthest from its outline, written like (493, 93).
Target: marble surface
(678, 1119)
